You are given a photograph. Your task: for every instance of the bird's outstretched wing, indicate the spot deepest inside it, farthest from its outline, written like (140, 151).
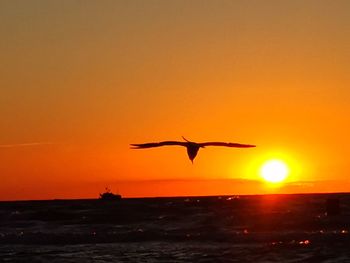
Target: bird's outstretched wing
(156, 144)
(226, 144)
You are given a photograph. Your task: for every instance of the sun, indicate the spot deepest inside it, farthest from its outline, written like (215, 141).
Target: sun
(274, 171)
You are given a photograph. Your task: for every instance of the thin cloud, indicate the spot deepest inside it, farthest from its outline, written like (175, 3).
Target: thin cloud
(24, 144)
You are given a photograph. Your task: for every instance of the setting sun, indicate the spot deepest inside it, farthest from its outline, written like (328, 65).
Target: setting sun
(274, 171)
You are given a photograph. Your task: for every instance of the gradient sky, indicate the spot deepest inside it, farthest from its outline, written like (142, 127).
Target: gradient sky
(80, 80)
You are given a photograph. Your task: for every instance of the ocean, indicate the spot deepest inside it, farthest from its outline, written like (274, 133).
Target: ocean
(260, 228)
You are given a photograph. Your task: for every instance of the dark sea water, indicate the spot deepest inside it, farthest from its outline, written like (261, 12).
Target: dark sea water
(269, 228)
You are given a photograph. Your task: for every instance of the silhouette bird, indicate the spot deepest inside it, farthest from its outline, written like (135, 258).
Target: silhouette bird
(192, 147)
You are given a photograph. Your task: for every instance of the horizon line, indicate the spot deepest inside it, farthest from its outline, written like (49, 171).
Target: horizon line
(182, 196)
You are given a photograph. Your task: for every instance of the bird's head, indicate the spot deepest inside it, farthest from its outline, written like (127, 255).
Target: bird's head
(185, 139)
(193, 142)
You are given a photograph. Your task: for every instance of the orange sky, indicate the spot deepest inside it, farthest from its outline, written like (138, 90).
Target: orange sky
(83, 79)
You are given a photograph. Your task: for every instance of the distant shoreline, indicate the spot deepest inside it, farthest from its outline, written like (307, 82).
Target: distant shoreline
(175, 197)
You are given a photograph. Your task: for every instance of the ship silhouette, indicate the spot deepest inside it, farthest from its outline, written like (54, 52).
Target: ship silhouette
(108, 195)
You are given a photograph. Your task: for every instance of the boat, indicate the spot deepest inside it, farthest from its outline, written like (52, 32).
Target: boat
(108, 195)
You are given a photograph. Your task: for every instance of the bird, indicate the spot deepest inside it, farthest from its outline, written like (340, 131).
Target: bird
(192, 147)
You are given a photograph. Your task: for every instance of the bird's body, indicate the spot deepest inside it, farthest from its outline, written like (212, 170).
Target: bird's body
(192, 147)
